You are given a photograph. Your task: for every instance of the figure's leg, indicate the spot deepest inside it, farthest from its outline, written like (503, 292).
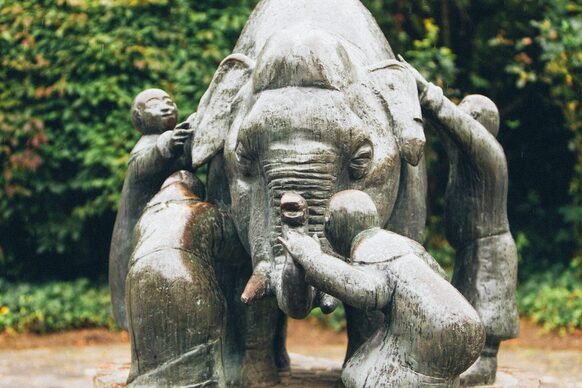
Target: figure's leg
(176, 321)
(361, 325)
(486, 274)
(433, 333)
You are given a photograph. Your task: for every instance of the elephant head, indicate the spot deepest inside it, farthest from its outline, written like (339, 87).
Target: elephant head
(308, 113)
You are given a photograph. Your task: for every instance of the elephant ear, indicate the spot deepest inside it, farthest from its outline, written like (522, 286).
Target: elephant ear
(396, 86)
(213, 119)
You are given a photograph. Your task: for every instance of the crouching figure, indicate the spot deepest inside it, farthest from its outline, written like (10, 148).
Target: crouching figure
(175, 307)
(431, 334)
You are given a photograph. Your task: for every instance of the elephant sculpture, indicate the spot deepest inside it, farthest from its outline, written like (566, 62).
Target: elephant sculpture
(312, 101)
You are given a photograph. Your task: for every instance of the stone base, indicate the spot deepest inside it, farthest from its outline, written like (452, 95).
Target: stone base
(310, 372)
(307, 372)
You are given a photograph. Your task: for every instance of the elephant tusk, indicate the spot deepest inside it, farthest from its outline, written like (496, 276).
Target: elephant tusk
(256, 289)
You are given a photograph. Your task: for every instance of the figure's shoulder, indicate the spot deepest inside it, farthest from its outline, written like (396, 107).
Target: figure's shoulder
(379, 245)
(144, 144)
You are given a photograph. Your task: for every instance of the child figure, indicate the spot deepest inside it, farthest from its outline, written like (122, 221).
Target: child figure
(476, 216)
(156, 155)
(430, 334)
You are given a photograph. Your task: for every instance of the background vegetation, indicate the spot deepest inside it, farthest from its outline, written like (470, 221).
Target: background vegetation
(70, 68)
(54, 306)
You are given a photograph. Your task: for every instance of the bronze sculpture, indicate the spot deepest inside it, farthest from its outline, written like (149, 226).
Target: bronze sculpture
(157, 154)
(171, 289)
(388, 272)
(476, 216)
(311, 103)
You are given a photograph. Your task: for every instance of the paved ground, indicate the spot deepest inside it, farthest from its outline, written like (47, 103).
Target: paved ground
(74, 365)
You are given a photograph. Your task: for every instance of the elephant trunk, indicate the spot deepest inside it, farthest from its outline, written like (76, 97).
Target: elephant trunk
(311, 177)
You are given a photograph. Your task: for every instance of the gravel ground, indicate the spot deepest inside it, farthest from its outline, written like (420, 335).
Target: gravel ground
(74, 365)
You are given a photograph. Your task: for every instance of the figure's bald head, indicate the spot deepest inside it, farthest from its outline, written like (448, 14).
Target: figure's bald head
(349, 213)
(153, 111)
(483, 110)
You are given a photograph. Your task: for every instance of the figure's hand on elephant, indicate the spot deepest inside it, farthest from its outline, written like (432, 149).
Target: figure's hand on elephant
(421, 82)
(183, 125)
(179, 138)
(300, 246)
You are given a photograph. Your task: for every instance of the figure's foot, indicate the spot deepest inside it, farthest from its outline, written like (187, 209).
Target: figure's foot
(482, 372)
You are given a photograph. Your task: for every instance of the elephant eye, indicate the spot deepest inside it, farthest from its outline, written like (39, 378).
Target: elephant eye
(361, 161)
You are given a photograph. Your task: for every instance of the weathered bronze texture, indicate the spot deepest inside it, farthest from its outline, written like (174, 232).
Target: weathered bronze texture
(430, 333)
(313, 135)
(476, 216)
(155, 156)
(313, 101)
(175, 308)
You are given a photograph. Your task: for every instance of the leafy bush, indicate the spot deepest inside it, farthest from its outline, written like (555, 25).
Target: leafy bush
(68, 73)
(69, 69)
(54, 306)
(554, 299)
(335, 321)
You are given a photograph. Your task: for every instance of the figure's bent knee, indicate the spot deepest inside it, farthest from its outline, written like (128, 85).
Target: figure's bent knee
(442, 333)
(453, 340)
(463, 337)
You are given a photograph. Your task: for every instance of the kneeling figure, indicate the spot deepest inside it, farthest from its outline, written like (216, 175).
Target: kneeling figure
(431, 333)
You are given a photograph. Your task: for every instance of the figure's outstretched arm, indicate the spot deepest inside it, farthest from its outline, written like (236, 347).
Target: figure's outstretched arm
(358, 287)
(468, 135)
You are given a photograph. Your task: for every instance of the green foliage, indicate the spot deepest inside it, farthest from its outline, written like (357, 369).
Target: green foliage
(436, 63)
(68, 73)
(335, 321)
(54, 306)
(554, 298)
(551, 55)
(70, 68)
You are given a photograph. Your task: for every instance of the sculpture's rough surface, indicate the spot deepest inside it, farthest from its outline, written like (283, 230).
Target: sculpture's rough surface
(476, 216)
(310, 104)
(430, 335)
(175, 307)
(155, 156)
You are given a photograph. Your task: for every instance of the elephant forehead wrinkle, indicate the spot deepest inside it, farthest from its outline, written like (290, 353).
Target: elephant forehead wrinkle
(293, 173)
(302, 141)
(319, 189)
(281, 157)
(300, 167)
